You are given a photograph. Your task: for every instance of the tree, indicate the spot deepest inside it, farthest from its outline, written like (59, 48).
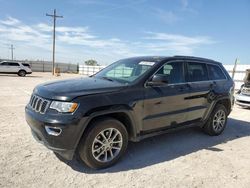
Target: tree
(91, 62)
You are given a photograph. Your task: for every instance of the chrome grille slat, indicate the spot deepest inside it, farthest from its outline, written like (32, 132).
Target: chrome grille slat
(39, 104)
(245, 91)
(34, 104)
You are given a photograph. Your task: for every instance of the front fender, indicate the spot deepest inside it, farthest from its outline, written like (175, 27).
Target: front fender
(111, 111)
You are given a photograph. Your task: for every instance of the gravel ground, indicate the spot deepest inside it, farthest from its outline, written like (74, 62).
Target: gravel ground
(186, 158)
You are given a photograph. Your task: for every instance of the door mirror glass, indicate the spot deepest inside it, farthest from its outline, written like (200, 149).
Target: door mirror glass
(158, 80)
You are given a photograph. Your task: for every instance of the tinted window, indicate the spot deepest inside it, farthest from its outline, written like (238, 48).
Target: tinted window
(173, 71)
(26, 64)
(5, 63)
(215, 72)
(13, 64)
(196, 72)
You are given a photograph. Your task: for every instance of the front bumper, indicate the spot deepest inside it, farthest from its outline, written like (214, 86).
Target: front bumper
(243, 100)
(63, 144)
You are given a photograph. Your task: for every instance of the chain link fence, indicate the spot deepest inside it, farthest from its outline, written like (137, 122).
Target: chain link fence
(46, 66)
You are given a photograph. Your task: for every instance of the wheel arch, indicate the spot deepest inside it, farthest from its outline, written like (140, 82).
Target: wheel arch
(122, 115)
(227, 103)
(224, 101)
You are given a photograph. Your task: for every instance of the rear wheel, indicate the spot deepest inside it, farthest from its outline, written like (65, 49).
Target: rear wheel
(217, 121)
(22, 73)
(103, 144)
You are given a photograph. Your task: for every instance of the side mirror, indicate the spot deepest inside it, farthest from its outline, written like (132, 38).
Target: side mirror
(158, 80)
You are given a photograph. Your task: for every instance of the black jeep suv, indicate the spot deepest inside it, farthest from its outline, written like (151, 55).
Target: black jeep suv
(93, 118)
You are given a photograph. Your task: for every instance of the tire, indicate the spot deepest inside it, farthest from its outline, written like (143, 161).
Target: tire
(94, 149)
(22, 73)
(217, 121)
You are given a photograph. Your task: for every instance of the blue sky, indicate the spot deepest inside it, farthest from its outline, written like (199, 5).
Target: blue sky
(110, 30)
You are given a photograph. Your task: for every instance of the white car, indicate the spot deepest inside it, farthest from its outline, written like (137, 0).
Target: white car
(10, 67)
(243, 95)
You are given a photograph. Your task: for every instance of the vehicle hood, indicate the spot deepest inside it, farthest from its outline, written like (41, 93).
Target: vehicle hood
(66, 90)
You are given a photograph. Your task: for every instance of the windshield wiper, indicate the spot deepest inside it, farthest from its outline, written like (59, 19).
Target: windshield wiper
(107, 78)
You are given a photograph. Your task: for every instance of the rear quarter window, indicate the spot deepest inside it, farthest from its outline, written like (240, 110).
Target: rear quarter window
(215, 72)
(26, 64)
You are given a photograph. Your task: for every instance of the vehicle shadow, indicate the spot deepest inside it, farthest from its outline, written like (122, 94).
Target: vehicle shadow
(169, 146)
(15, 75)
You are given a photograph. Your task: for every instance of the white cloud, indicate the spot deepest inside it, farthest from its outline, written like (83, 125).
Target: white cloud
(10, 21)
(177, 43)
(76, 44)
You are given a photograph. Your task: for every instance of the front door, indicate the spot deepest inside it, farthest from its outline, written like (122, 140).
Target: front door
(4, 67)
(166, 105)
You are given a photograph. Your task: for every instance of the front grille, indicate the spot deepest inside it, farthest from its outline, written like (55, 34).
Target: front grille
(245, 91)
(38, 104)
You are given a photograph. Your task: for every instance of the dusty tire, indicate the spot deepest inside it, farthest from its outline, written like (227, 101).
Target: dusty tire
(22, 73)
(217, 121)
(105, 138)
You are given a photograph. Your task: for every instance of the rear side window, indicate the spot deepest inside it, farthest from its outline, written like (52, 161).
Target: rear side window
(196, 72)
(11, 64)
(215, 72)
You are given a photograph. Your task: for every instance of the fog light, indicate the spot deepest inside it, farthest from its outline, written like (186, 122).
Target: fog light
(54, 131)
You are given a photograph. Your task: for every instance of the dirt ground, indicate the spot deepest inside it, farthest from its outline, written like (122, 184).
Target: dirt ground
(186, 158)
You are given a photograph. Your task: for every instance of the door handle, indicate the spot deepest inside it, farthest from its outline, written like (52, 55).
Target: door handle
(181, 89)
(185, 87)
(213, 84)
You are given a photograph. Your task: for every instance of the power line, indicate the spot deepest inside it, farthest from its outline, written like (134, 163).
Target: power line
(54, 16)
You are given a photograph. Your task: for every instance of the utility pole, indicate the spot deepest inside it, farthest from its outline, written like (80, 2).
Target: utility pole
(235, 65)
(54, 16)
(12, 49)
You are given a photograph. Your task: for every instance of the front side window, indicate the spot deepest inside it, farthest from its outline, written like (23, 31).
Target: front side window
(196, 72)
(126, 70)
(215, 72)
(5, 64)
(173, 72)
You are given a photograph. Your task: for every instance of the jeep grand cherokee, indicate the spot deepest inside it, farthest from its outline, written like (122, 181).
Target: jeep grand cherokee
(132, 99)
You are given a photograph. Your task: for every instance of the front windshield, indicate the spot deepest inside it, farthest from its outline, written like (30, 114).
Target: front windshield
(125, 71)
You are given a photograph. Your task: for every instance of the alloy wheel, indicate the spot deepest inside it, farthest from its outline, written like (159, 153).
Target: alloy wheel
(107, 145)
(219, 120)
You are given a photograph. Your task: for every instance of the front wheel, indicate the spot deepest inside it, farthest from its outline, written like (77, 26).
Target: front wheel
(217, 121)
(103, 144)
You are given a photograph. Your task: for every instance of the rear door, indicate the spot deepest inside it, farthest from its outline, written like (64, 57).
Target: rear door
(166, 106)
(200, 88)
(14, 67)
(218, 80)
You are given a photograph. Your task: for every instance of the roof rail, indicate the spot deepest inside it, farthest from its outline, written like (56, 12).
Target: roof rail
(193, 57)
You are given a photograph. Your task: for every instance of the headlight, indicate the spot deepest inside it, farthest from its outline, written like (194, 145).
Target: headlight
(64, 106)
